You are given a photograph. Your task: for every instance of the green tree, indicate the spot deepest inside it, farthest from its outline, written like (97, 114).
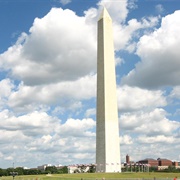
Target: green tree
(32, 171)
(2, 172)
(92, 169)
(63, 170)
(51, 169)
(19, 170)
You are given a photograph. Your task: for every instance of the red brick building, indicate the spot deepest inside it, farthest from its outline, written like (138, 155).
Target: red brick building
(127, 159)
(175, 163)
(151, 162)
(164, 162)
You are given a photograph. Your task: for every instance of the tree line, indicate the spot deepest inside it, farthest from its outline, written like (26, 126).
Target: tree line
(22, 171)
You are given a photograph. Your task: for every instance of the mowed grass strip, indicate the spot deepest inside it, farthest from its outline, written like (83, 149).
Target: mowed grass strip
(95, 176)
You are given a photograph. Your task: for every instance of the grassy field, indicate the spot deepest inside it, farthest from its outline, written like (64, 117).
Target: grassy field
(94, 176)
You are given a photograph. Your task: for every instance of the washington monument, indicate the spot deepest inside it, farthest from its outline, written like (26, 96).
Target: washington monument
(107, 128)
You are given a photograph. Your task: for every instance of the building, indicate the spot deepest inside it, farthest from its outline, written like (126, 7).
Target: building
(176, 164)
(43, 167)
(151, 162)
(145, 164)
(78, 168)
(107, 126)
(164, 162)
(127, 159)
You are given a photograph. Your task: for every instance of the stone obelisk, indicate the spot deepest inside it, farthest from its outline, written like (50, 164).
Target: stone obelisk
(107, 126)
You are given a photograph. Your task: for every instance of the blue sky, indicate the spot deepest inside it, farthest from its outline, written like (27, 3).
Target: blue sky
(48, 79)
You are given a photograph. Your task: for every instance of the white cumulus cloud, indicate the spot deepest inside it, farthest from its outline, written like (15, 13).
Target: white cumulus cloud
(134, 98)
(159, 53)
(53, 52)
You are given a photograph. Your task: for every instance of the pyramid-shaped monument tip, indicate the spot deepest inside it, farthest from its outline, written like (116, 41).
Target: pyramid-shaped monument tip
(104, 14)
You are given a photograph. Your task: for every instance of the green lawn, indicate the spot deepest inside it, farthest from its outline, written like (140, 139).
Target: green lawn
(95, 176)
